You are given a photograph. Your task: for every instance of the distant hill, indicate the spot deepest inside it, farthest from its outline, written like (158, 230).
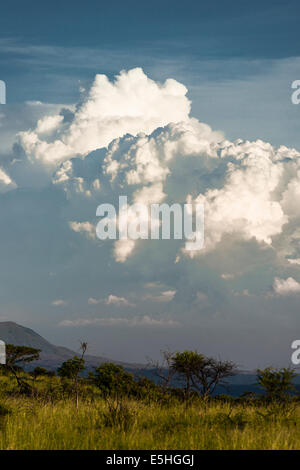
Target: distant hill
(51, 356)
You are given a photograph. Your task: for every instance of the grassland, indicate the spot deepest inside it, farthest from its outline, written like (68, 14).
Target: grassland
(49, 420)
(35, 425)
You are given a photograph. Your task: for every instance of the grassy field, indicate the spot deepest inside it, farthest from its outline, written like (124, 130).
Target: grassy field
(44, 416)
(34, 425)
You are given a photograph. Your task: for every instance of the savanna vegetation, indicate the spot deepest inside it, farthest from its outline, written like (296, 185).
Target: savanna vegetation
(109, 408)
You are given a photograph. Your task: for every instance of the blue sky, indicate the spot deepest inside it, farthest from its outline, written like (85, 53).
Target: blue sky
(266, 29)
(238, 61)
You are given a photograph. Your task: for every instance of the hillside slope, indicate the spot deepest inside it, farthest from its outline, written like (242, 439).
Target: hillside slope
(51, 356)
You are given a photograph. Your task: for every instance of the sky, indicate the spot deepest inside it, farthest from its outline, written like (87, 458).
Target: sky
(160, 101)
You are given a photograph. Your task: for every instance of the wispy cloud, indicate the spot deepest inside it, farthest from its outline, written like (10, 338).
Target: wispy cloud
(59, 303)
(120, 321)
(165, 296)
(86, 228)
(111, 300)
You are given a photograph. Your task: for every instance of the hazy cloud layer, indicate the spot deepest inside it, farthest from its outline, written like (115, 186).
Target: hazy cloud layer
(117, 321)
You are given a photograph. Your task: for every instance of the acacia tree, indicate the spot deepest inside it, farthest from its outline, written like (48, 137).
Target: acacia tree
(277, 383)
(201, 373)
(112, 380)
(42, 372)
(185, 364)
(16, 355)
(71, 370)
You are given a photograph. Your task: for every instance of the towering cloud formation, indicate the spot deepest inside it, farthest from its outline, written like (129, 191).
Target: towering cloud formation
(248, 189)
(131, 104)
(135, 137)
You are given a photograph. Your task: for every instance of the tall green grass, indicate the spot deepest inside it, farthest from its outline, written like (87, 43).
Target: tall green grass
(32, 424)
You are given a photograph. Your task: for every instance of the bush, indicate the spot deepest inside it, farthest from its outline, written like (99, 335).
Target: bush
(119, 415)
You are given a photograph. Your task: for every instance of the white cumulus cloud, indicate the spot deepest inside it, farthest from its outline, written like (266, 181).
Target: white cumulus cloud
(83, 227)
(135, 137)
(287, 286)
(133, 103)
(248, 189)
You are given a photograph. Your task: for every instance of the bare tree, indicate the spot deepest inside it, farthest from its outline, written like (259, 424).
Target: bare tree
(162, 369)
(71, 369)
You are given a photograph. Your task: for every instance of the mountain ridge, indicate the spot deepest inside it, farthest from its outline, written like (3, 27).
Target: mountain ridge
(51, 355)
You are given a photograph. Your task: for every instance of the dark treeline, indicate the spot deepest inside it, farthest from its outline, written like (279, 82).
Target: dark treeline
(185, 376)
